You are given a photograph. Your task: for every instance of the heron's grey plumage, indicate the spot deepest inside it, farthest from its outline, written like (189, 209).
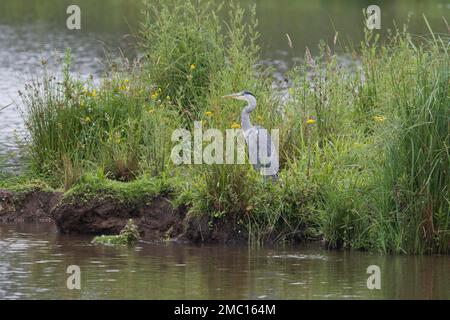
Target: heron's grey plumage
(261, 149)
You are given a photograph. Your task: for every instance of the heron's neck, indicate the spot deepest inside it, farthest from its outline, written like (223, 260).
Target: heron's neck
(245, 118)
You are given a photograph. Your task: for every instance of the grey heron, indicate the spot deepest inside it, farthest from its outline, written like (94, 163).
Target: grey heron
(262, 152)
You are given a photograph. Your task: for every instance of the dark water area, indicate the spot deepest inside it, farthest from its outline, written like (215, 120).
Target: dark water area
(34, 261)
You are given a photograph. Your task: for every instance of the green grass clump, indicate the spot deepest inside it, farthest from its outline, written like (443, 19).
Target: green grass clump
(283, 212)
(75, 128)
(189, 52)
(415, 179)
(145, 188)
(24, 184)
(129, 235)
(374, 141)
(184, 45)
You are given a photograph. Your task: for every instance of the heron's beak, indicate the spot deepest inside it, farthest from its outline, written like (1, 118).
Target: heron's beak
(232, 96)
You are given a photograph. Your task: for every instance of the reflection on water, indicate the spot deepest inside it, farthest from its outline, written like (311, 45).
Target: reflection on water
(34, 258)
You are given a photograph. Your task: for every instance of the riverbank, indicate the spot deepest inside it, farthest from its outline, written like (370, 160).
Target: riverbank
(102, 213)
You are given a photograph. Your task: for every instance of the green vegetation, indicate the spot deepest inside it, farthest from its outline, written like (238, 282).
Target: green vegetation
(129, 235)
(364, 149)
(144, 188)
(23, 184)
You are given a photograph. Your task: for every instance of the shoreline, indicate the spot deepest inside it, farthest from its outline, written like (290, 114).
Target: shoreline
(157, 218)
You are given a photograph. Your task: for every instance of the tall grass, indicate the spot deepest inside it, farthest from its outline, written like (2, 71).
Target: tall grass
(195, 58)
(75, 127)
(416, 179)
(377, 147)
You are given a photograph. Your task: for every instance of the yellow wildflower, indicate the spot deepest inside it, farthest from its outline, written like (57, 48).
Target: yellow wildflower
(310, 121)
(87, 119)
(379, 118)
(150, 110)
(193, 66)
(126, 80)
(208, 113)
(155, 95)
(94, 93)
(235, 125)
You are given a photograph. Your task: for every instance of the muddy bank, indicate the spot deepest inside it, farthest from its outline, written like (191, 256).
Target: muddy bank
(157, 219)
(32, 206)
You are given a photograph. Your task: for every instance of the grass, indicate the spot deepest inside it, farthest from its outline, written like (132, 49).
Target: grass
(416, 176)
(363, 149)
(24, 184)
(97, 186)
(129, 235)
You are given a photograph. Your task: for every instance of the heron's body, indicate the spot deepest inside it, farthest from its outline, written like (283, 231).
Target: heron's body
(261, 149)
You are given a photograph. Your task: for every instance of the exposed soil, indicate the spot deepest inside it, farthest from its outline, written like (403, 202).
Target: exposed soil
(199, 230)
(157, 219)
(33, 206)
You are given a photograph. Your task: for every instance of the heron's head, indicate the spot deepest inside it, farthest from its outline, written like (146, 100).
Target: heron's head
(243, 95)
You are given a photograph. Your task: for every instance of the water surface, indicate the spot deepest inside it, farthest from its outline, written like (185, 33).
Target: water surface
(34, 258)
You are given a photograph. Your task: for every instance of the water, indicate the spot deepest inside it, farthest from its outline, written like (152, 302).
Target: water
(32, 30)
(34, 258)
